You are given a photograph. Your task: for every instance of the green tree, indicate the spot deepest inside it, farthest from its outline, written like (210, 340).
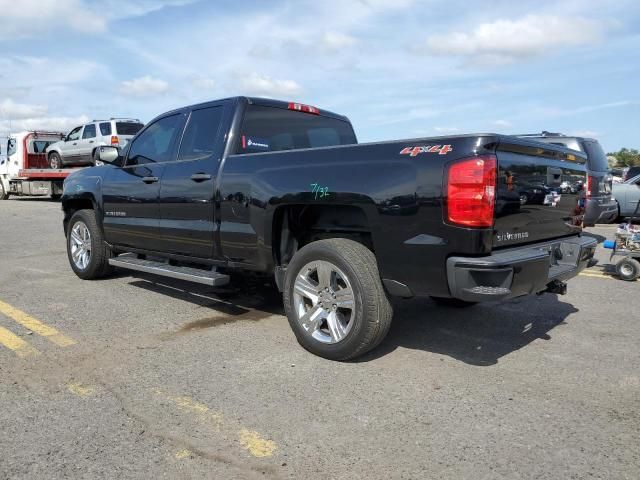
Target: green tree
(626, 157)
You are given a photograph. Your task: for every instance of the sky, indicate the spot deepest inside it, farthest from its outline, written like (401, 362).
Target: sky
(396, 68)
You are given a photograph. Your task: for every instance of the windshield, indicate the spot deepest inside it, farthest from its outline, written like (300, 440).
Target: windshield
(270, 129)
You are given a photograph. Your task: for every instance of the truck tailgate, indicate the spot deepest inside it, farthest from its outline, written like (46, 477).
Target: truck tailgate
(531, 205)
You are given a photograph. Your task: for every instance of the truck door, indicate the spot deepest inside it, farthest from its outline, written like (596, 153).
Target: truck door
(86, 144)
(131, 192)
(187, 193)
(69, 148)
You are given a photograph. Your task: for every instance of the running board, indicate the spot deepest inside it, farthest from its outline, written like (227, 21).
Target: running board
(206, 277)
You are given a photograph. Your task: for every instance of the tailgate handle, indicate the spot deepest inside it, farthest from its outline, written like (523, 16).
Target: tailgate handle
(149, 179)
(200, 177)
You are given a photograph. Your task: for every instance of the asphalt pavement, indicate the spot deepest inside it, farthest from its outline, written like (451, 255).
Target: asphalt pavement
(138, 376)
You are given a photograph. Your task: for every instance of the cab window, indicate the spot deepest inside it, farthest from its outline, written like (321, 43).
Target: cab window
(89, 131)
(74, 134)
(201, 133)
(11, 147)
(156, 144)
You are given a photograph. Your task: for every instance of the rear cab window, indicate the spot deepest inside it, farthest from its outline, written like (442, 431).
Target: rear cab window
(128, 128)
(272, 129)
(105, 129)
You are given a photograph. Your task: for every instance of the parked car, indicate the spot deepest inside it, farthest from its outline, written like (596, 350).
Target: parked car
(79, 146)
(628, 195)
(283, 190)
(600, 205)
(631, 172)
(533, 193)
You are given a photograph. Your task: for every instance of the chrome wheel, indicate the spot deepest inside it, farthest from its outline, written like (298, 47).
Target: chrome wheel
(324, 302)
(626, 270)
(80, 244)
(55, 162)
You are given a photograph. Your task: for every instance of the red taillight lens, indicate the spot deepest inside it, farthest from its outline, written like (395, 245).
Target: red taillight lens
(590, 181)
(115, 140)
(471, 191)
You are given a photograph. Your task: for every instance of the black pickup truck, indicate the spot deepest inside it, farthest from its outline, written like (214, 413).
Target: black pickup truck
(284, 190)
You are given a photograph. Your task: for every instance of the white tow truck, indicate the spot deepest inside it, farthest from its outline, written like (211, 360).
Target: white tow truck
(25, 170)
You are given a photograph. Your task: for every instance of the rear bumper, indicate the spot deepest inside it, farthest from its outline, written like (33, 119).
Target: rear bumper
(600, 211)
(518, 271)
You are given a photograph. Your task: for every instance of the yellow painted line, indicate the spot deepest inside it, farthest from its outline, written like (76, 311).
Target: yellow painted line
(200, 409)
(252, 441)
(184, 453)
(36, 326)
(255, 444)
(80, 390)
(15, 343)
(595, 274)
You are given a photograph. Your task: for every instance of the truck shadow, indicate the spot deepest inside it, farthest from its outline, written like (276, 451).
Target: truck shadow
(244, 301)
(478, 335)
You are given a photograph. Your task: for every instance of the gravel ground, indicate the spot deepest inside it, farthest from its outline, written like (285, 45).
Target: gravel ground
(155, 378)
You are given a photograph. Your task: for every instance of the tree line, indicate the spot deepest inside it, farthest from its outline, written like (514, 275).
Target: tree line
(626, 157)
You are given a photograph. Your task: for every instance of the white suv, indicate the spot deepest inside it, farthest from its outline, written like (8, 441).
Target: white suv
(79, 146)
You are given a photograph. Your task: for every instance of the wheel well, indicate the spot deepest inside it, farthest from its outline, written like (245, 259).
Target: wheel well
(72, 206)
(295, 226)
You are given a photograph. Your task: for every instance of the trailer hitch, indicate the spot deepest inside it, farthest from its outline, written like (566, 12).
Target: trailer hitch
(556, 286)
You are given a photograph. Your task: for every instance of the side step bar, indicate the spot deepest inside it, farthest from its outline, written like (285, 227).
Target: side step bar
(206, 277)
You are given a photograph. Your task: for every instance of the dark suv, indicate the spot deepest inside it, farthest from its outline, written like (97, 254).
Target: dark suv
(600, 206)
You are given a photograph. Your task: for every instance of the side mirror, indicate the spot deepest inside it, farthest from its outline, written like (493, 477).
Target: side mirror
(108, 155)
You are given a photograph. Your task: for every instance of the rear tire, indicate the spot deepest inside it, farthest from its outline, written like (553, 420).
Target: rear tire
(453, 302)
(334, 299)
(55, 162)
(628, 269)
(88, 254)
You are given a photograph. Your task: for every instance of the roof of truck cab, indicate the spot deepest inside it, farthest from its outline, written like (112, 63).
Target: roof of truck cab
(266, 102)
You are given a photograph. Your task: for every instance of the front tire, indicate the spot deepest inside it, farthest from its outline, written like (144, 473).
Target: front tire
(88, 254)
(628, 269)
(4, 195)
(55, 161)
(334, 299)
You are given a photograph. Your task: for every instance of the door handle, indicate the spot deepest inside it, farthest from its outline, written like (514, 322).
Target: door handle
(200, 177)
(90, 141)
(149, 179)
(74, 143)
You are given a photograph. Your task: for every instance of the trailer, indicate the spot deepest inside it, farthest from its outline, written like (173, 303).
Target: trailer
(24, 170)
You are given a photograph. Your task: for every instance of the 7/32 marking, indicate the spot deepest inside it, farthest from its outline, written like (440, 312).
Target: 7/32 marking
(319, 191)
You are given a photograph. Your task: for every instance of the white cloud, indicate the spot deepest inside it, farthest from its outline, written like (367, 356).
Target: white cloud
(29, 17)
(203, 83)
(502, 124)
(57, 124)
(11, 110)
(337, 41)
(504, 41)
(584, 133)
(263, 85)
(446, 129)
(146, 86)
(26, 18)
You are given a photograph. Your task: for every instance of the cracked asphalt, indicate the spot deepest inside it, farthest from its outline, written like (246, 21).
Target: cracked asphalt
(138, 376)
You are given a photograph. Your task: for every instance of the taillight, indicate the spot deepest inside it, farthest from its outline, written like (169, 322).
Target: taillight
(471, 191)
(590, 181)
(115, 140)
(299, 107)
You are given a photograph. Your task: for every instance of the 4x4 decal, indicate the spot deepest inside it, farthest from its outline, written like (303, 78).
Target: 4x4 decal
(415, 151)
